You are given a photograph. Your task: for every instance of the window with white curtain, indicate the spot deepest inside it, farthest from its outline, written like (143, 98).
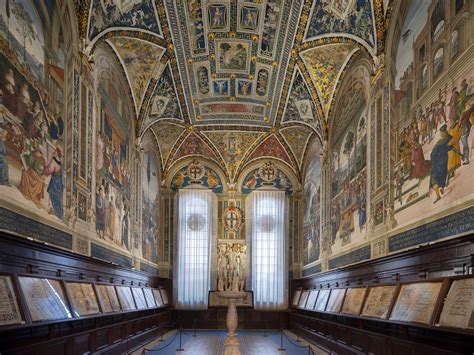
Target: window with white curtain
(195, 226)
(267, 210)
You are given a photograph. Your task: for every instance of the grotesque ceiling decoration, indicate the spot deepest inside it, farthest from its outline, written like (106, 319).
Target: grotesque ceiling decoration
(235, 81)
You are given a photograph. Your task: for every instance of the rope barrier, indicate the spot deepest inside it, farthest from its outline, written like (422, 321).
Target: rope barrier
(310, 349)
(160, 340)
(145, 350)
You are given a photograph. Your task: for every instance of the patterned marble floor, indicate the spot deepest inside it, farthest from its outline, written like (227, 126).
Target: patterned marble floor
(211, 342)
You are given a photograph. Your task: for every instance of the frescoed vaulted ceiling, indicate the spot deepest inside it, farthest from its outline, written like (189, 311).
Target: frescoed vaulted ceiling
(231, 80)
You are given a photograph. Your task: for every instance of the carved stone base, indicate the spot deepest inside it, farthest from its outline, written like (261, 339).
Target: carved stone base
(232, 341)
(232, 344)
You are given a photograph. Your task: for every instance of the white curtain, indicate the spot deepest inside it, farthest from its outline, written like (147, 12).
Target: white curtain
(268, 234)
(195, 230)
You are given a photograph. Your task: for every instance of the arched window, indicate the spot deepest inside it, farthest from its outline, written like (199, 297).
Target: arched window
(438, 62)
(195, 230)
(454, 43)
(437, 20)
(424, 77)
(268, 239)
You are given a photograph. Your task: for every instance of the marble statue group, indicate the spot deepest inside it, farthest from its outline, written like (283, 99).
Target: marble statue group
(231, 261)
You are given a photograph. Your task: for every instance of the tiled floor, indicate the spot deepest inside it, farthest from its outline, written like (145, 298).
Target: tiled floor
(211, 342)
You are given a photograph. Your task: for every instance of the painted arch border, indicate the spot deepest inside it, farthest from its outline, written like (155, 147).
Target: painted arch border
(280, 164)
(181, 163)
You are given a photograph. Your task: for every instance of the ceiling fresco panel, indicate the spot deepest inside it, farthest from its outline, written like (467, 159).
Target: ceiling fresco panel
(297, 138)
(351, 18)
(141, 60)
(135, 14)
(325, 64)
(300, 106)
(233, 145)
(164, 103)
(194, 145)
(271, 147)
(228, 54)
(167, 134)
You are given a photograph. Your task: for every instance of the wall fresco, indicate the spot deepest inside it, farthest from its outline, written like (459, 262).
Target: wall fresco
(432, 170)
(312, 207)
(113, 190)
(32, 111)
(349, 183)
(150, 205)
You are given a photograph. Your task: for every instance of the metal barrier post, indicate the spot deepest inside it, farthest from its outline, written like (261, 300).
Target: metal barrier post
(281, 340)
(180, 345)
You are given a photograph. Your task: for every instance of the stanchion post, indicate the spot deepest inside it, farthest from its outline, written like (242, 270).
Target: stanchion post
(161, 336)
(180, 345)
(298, 340)
(281, 340)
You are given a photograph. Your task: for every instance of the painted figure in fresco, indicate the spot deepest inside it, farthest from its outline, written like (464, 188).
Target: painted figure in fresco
(262, 82)
(454, 160)
(4, 175)
(269, 27)
(99, 159)
(466, 120)
(249, 17)
(233, 56)
(439, 158)
(335, 220)
(212, 180)
(217, 17)
(244, 88)
(111, 218)
(32, 179)
(7, 91)
(23, 104)
(362, 206)
(55, 186)
(195, 14)
(34, 122)
(251, 183)
(419, 166)
(55, 125)
(220, 87)
(452, 105)
(125, 222)
(100, 212)
(203, 80)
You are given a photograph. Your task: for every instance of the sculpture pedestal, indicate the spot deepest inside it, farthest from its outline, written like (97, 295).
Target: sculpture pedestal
(232, 341)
